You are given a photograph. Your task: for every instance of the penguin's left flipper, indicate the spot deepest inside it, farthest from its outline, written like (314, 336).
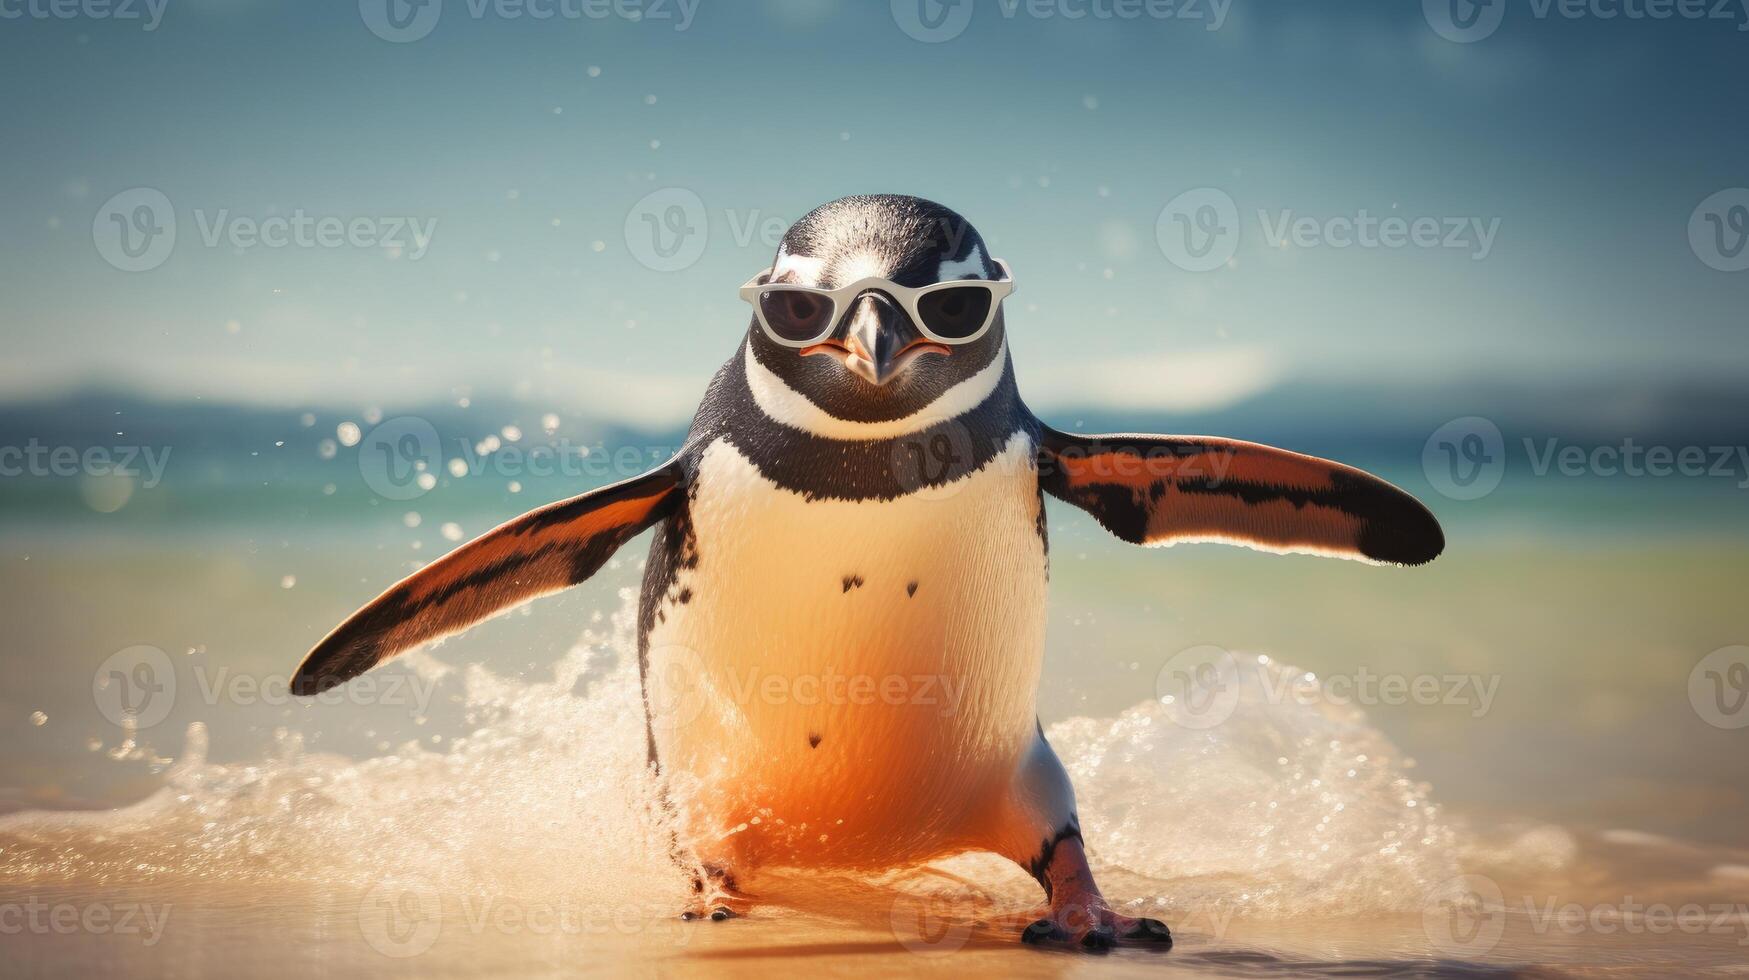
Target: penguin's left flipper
(539, 553)
(1162, 490)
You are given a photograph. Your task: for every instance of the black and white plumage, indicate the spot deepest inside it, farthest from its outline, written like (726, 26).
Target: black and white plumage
(842, 621)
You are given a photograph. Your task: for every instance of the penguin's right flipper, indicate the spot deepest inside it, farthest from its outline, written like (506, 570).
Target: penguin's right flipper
(539, 553)
(1161, 490)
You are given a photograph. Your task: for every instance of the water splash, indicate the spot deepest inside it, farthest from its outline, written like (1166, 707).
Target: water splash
(1286, 807)
(1289, 805)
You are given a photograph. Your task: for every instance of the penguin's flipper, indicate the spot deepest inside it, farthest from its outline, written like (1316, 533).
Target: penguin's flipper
(1162, 490)
(539, 553)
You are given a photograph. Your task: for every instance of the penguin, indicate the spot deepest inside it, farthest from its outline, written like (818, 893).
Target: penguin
(842, 619)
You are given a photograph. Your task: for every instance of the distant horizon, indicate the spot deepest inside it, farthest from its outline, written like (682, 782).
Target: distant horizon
(576, 210)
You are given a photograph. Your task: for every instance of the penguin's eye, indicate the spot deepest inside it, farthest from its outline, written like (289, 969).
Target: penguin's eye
(957, 312)
(794, 315)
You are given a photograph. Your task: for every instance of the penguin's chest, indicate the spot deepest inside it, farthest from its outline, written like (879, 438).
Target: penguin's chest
(824, 657)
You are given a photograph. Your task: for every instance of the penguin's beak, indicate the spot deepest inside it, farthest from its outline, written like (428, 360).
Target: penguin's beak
(881, 341)
(873, 336)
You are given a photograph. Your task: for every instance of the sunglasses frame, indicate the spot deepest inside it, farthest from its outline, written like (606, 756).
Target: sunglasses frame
(905, 296)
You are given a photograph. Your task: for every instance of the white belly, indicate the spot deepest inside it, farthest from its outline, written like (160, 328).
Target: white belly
(860, 723)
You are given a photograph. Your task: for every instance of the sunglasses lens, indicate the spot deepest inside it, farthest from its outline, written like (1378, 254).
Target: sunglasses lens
(794, 315)
(955, 313)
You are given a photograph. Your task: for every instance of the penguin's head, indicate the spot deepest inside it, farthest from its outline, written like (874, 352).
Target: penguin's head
(875, 353)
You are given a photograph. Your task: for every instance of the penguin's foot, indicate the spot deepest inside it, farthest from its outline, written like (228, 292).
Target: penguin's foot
(1079, 916)
(1094, 927)
(716, 907)
(715, 897)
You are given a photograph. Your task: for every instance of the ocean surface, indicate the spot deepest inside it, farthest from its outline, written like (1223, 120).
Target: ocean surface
(1524, 759)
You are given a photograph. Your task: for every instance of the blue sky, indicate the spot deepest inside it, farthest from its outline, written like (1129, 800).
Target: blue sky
(1562, 159)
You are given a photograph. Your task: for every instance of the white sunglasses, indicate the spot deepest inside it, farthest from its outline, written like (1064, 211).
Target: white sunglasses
(958, 311)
